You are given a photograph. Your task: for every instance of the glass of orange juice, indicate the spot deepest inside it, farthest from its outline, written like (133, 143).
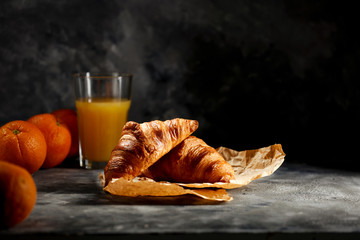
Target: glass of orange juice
(102, 104)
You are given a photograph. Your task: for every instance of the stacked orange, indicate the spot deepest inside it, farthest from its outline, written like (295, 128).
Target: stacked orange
(43, 141)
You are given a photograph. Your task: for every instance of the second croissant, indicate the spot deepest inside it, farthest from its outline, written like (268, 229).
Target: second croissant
(192, 161)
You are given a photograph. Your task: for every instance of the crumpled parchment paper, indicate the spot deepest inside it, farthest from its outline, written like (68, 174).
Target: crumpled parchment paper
(248, 166)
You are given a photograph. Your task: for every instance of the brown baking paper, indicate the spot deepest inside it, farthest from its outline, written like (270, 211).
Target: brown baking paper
(248, 166)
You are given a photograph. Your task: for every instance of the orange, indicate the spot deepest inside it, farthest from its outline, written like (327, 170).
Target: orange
(17, 194)
(69, 118)
(23, 144)
(57, 136)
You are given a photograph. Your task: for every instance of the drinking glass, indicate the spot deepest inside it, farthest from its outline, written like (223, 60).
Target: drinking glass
(102, 104)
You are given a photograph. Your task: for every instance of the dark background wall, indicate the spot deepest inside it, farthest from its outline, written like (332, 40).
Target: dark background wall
(253, 73)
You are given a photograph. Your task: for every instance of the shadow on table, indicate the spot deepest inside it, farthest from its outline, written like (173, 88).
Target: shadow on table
(171, 200)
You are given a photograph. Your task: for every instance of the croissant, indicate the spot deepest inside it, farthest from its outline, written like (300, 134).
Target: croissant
(141, 145)
(192, 161)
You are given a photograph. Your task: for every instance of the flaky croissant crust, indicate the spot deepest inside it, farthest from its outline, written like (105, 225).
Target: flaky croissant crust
(192, 161)
(141, 145)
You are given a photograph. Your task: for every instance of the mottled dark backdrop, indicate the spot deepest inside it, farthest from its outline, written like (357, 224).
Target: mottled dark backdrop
(253, 73)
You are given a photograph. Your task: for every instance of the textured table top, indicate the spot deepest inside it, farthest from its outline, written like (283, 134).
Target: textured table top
(296, 199)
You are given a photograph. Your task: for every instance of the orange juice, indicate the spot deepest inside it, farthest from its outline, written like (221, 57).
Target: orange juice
(100, 123)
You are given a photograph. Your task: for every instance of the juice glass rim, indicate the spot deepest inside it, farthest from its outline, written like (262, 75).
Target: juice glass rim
(101, 75)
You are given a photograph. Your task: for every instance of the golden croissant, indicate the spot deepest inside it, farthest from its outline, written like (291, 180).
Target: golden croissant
(141, 145)
(192, 161)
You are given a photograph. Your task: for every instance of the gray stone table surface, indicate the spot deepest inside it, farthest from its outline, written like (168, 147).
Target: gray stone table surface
(296, 200)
